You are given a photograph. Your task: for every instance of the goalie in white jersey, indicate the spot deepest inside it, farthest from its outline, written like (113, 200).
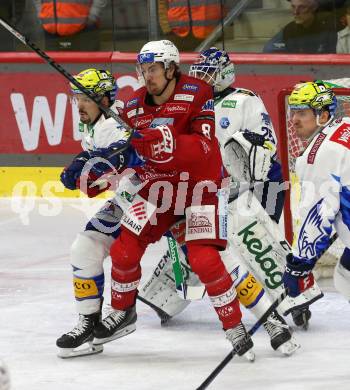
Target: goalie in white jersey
(324, 174)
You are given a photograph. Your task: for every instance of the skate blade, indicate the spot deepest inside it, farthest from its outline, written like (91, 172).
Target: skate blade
(123, 332)
(67, 353)
(289, 347)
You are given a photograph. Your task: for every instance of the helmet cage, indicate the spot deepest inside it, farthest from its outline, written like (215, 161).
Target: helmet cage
(214, 66)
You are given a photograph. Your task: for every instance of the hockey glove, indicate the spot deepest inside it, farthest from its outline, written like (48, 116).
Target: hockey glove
(155, 144)
(297, 277)
(259, 152)
(70, 175)
(111, 158)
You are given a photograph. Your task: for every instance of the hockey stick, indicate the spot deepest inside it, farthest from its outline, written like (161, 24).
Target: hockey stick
(72, 80)
(230, 356)
(256, 326)
(184, 290)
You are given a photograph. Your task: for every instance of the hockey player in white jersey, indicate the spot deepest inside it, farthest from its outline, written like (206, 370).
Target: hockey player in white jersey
(91, 246)
(241, 117)
(323, 171)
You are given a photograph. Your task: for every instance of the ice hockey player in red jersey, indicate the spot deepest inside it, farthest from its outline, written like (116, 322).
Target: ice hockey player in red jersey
(173, 118)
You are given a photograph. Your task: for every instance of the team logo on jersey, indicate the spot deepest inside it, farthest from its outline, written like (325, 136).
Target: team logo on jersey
(182, 96)
(224, 122)
(136, 111)
(229, 104)
(311, 233)
(208, 105)
(176, 108)
(132, 103)
(138, 210)
(342, 135)
(137, 215)
(190, 87)
(143, 122)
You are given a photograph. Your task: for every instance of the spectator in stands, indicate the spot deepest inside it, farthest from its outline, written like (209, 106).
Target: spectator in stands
(311, 31)
(64, 30)
(11, 11)
(343, 42)
(188, 23)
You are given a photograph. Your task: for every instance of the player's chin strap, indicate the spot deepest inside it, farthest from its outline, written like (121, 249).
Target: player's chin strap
(322, 126)
(166, 85)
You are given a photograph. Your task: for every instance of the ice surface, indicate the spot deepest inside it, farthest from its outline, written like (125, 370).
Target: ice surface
(36, 307)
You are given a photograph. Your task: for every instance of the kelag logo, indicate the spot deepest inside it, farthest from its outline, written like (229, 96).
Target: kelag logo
(267, 264)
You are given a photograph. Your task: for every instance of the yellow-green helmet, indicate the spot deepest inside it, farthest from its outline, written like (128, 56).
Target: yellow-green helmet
(315, 95)
(98, 81)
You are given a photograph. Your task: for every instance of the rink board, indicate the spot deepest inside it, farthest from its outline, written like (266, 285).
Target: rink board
(36, 182)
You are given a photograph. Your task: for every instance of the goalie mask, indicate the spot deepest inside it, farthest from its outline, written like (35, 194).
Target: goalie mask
(317, 96)
(215, 67)
(99, 82)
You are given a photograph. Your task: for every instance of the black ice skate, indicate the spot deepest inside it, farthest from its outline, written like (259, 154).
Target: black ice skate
(78, 342)
(301, 317)
(116, 324)
(280, 336)
(241, 341)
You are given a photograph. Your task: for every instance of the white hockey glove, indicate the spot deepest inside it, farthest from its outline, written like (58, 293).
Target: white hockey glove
(248, 156)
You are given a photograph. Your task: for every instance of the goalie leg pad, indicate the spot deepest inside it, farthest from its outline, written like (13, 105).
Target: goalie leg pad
(88, 252)
(159, 290)
(249, 290)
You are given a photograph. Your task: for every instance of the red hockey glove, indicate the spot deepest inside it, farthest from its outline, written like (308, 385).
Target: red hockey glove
(154, 144)
(92, 185)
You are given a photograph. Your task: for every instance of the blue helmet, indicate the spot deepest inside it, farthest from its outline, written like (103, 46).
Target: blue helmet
(215, 67)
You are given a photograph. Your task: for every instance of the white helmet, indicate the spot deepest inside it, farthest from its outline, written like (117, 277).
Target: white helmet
(215, 67)
(159, 51)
